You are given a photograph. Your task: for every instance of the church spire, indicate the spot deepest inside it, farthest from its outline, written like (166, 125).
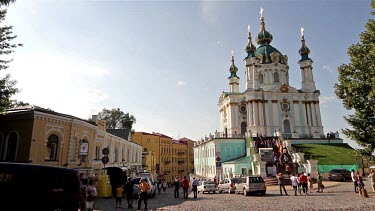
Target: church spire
(264, 37)
(250, 47)
(233, 69)
(304, 50)
(233, 79)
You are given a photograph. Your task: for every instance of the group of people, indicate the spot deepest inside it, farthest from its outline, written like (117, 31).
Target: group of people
(301, 183)
(184, 183)
(88, 194)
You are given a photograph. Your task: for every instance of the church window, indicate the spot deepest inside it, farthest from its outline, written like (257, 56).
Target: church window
(260, 78)
(243, 127)
(228, 151)
(52, 147)
(276, 77)
(287, 126)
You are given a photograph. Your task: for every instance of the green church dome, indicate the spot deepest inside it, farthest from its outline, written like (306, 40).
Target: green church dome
(304, 50)
(264, 37)
(233, 69)
(268, 54)
(250, 47)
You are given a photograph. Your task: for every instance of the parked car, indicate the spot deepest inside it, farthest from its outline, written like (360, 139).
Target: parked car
(146, 174)
(228, 185)
(339, 175)
(207, 186)
(251, 184)
(137, 190)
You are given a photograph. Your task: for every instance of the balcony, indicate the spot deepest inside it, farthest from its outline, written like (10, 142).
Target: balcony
(181, 153)
(180, 162)
(167, 162)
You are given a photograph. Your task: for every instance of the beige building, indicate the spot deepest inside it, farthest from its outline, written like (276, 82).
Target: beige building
(164, 157)
(41, 136)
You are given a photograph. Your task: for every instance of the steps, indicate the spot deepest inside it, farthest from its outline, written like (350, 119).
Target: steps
(273, 180)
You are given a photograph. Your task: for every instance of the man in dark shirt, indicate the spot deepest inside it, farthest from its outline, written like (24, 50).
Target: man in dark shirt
(129, 190)
(185, 187)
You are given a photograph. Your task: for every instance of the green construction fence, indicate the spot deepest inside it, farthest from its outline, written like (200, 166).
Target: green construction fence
(328, 168)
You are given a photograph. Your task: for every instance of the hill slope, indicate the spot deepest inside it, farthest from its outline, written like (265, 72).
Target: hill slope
(327, 154)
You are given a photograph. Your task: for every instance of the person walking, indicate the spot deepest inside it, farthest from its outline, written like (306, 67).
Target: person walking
(320, 183)
(144, 187)
(280, 182)
(294, 183)
(129, 190)
(185, 187)
(83, 195)
(177, 185)
(119, 192)
(303, 181)
(309, 179)
(164, 185)
(195, 184)
(354, 179)
(91, 195)
(159, 186)
(371, 176)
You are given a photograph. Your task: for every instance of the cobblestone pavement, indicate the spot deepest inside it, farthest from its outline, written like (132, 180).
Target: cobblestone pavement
(336, 196)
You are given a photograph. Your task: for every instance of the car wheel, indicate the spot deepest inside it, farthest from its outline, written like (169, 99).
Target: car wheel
(244, 192)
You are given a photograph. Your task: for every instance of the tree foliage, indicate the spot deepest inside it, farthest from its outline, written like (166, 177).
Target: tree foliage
(356, 87)
(117, 119)
(7, 86)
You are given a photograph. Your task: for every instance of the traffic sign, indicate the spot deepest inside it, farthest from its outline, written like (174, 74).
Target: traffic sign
(105, 151)
(218, 164)
(105, 159)
(218, 159)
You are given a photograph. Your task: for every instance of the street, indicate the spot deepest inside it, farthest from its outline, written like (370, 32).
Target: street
(336, 196)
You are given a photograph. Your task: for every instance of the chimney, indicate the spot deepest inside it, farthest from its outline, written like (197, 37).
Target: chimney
(94, 118)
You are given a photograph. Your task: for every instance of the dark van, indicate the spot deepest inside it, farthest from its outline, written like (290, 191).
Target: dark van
(38, 187)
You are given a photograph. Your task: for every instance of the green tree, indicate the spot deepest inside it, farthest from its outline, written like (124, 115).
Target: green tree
(117, 119)
(7, 86)
(356, 87)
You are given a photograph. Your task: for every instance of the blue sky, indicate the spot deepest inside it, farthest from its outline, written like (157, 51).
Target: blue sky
(167, 62)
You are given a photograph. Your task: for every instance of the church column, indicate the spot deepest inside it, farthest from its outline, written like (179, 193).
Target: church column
(313, 114)
(308, 109)
(318, 114)
(275, 116)
(250, 113)
(261, 112)
(296, 113)
(255, 113)
(304, 111)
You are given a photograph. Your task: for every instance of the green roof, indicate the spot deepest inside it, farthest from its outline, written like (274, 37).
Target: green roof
(265, 51)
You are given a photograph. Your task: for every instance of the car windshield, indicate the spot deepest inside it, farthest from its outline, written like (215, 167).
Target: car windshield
(256, 180)
(136, 180)
(234, 180)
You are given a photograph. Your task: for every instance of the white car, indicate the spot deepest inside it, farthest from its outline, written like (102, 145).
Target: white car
(207, 186)
(228, 185)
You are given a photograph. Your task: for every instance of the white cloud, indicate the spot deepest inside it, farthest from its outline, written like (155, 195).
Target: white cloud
(181, 83)
(327, 67)
(60, 83)
(327, 99)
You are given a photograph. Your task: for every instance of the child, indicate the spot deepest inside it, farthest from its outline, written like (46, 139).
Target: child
(119, 192)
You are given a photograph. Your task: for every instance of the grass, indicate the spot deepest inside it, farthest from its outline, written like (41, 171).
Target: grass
(327, 154)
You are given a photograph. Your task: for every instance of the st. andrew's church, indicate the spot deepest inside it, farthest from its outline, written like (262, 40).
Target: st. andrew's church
(269, 105)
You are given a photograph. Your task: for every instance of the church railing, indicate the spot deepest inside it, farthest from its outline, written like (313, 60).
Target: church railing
(229, 135)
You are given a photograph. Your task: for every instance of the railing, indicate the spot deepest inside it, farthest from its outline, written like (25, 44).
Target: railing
(181, 153)
(167, 161)
(181, 162)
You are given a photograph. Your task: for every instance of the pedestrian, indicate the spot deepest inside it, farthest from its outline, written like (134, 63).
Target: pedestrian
(354, 179)
(91, 190)
(195, 184)
(360, 183)
(144, 187)
(119, 192)
(310, 181)
(372, 179)
(177, 185)
(185, 187)
(129, 190)
(83, 195)
(320, 183)
(164, 185)
(303, 181)
(280, 182)
(299, 184)
(294, 183)
(159, 186)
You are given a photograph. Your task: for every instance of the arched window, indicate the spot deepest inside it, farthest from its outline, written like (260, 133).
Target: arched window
(276, 77)
(287, 126)
(11, 147)
(52, 147)
(116, 155)
(243, 128)
(260, 78)
(73, 149)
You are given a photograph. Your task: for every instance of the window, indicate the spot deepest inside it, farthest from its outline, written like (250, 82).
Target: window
(97, 153)
(260, 78)
(73, 150)
(9, 147)
(116, 155)
(52, 147)
(276, 77)
(243, 127)
(243, 171)
(287, 126)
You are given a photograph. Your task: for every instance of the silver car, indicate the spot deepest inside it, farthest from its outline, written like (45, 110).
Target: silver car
(228, 185)
(207, 186)
(137, 190)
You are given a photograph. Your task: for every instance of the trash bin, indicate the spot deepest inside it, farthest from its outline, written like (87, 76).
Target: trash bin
(104, 186)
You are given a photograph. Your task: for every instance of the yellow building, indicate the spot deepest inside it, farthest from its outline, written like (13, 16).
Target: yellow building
(41, 136)
(164, 157)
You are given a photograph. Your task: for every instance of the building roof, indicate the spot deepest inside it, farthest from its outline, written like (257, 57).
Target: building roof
(122, 133)
(32, 108)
